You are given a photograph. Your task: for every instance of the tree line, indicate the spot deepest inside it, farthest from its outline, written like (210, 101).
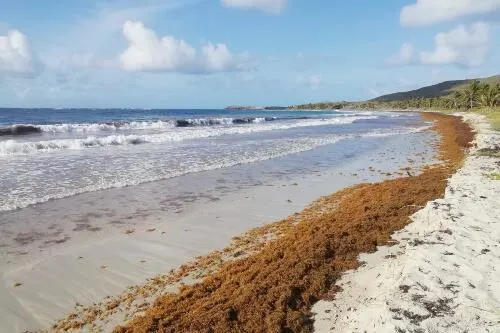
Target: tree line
(475, 95)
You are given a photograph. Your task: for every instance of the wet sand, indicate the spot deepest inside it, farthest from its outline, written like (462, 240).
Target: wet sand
(102, 259)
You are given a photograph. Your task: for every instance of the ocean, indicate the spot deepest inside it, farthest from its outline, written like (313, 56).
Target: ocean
(49, 154)
(100, 200)
(70, 175)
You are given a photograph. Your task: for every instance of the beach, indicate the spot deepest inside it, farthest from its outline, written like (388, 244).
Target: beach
(108, 280)
(250, 166)
(443, 273)
(68, 253)
(275, 288)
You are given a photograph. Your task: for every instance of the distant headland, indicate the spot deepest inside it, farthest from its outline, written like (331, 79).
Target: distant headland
(450, 95)
(257, 108)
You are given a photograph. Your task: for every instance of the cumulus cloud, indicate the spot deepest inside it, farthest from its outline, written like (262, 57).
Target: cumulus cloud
(217, 58)
(270, 6)
(147, 52)
(16, 56)
(432, 11)
(460, 46)
(404, 56)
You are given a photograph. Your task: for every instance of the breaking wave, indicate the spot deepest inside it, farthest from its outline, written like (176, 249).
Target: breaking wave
(172, 134)
(15, 130)
(19, 130)
(301, 145)
(223, 121)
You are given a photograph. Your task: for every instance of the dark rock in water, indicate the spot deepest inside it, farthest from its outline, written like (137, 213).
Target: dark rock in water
(183, 123)
(136, 141)
(19, 130)
(243, 120)
(116, 124)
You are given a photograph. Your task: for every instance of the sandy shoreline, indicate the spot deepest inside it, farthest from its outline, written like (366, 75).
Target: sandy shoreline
(443, 275)
(314, 249)
(275, 288)
(72, 277)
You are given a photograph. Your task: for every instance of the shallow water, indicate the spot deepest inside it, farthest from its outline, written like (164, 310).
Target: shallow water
(101, 190)
(246, 179)
(114, 148)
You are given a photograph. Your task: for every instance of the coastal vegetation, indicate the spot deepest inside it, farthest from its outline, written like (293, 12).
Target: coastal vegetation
(478, 95)
(483, 98)
(494, 176)
(475, 95)
(437, 90)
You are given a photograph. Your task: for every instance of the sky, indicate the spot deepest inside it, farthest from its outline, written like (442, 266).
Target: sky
(214, 53)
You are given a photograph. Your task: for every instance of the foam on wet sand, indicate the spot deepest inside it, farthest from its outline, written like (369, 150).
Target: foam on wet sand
(71, 275)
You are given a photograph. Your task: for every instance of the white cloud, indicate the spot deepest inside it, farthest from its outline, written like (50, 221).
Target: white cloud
(217, 58)
(460, 46)
(432, 11)
(404, 56)
(16, 56)
(101, 28)
(270, 6)
(147, 52)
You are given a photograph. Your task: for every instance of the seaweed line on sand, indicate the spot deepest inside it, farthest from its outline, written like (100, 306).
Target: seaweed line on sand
(134, 300)
(273, 283)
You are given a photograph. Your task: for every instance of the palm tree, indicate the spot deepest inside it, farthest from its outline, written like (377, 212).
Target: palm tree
(449, 103)
(472, 93)
(458, 99)
(497, 87)
(490, 95)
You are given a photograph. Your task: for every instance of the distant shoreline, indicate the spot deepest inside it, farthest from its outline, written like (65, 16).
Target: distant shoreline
(255, 108)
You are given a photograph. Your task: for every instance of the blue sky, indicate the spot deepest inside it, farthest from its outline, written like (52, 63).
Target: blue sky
(211, 53)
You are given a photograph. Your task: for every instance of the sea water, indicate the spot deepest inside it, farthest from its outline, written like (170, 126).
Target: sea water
(86, 169)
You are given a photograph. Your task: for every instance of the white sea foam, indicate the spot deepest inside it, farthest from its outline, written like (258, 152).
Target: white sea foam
(130, 178)
(171, 134)
(146, 125)
(286, 148)
(387, 114)
(396, 131)
(108, 127)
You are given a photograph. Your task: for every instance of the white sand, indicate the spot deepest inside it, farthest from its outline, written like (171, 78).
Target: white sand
(444, 275)
(54, 282)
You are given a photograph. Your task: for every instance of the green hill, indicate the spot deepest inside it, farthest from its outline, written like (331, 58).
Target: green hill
(457, 94)
(436, 90)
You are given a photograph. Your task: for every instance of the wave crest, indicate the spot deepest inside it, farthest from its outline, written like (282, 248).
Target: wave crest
(16, 130)
(124, 126)
(14, 147)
